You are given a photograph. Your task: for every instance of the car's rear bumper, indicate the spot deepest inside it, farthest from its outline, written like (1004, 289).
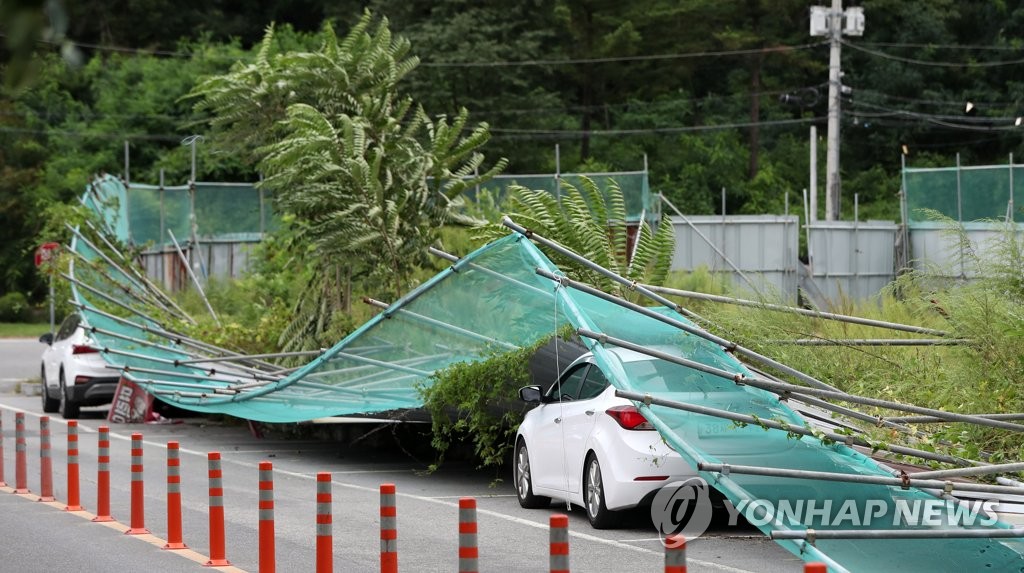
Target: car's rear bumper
(94, 391)
(642, 465)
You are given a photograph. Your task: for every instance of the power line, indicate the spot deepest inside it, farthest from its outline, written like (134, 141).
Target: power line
(932, 64)
(654, 130)
(942, 46)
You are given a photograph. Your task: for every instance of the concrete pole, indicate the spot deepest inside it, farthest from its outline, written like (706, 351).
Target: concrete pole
(832, 185)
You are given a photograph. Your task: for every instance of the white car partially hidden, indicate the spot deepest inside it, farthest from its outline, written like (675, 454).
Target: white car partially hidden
(73, 372)
(584, 445)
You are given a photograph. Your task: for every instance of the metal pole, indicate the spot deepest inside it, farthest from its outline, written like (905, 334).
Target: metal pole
(905, 210)
(872, 342)
(52, 295)
(558, 173)
(960, 212)
(814, 176)
(647, 399)
(902, 481)
(933, 419)
(1009, 217)
(709, 242)
(192, 275)
(160, 243)
(978, 471)
(815, 534)
(127, 177)
(832, 183)
(795, 310)
(727, 345)
(807, 231)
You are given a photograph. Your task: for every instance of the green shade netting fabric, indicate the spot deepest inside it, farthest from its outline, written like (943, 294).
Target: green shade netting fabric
(493, 300)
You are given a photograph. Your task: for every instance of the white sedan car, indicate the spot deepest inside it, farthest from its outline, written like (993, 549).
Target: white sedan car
(73, 372)
(584, 445)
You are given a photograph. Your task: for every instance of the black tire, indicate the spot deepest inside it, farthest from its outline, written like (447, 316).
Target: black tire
(50, 405)
(593, 496)
(68, 407)
(524, 480)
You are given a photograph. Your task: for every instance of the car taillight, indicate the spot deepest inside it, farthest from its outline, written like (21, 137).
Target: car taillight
(83, 349)
(629, 418)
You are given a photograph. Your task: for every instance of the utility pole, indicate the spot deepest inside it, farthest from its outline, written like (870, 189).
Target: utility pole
(834, 22)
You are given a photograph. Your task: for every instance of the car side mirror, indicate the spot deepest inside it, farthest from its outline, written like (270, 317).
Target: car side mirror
(531, 394)
(47, 338)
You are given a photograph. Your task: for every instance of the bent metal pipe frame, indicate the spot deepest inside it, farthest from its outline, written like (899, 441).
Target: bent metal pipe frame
(647, 399)
(903, 481)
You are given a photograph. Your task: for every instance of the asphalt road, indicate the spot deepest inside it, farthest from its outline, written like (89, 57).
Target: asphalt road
(510, 538)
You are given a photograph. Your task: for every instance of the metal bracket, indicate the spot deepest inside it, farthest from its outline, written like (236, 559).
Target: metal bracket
(647, 399)
(812, 536)
(725, 470)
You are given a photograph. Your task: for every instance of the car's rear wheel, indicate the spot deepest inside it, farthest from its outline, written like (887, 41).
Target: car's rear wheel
(524, 480)
(593, 496)
(50, 405)
(68, 407)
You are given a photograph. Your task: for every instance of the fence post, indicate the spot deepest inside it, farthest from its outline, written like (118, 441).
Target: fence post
(559, 537)
(103, 477)
(388, 529)
(174, 537)
(20, 455)
(675, 554)
(74, 495)
(469, 553)
(324, 535)
(217, 549)
(138, 524)
(266, 518)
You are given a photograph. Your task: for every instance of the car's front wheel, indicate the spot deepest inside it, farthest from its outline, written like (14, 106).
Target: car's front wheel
(68, 407)
(593, 496)
(50, 405)
(524, 480)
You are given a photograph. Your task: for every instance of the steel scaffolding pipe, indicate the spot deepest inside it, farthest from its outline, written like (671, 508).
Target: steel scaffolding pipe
(936, 420)
(109, 298)
(458, 262)
(747, 419)
(903, 481)
(244, 357)
(729, 346)
(873, 342)
(978, 471)
(811, 535)
(801, 311)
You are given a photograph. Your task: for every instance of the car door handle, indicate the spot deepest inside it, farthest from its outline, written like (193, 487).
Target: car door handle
(589, 412)
(558, 420)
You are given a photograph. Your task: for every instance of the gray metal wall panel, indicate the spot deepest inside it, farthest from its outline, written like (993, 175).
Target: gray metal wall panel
(935, 248)
(855, 260)
(764, 248)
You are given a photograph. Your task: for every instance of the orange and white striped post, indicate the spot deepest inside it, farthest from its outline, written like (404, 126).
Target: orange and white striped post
(815, 568)
(388, 529)
(559, 543)
(2, 459)
(138, 525)
(45, 461)
(469, 553)
(103, 477)
(74, 495)
(217, 544)
(266, 528)
(675, 554)
(324, 526)
(20, 454)
(174, 540)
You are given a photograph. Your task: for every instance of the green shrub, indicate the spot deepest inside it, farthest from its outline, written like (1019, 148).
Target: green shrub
(14, 307)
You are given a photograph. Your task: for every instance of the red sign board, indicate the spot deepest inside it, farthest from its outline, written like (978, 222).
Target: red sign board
(45, 252)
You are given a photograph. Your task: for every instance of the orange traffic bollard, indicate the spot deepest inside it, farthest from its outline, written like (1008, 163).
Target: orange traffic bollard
(2, 482)
(74, 495)
(217, 544)
(559, 543)
(266, 517)
(324, 535)
(45, 461)
(815, 568)
(103, 477)
(138, 525)
(469, 553)
(388, 529)
(20, 455)
(675, 554)
(174, 540)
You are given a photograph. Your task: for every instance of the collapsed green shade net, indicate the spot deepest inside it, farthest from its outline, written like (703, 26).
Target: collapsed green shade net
(493, 300)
